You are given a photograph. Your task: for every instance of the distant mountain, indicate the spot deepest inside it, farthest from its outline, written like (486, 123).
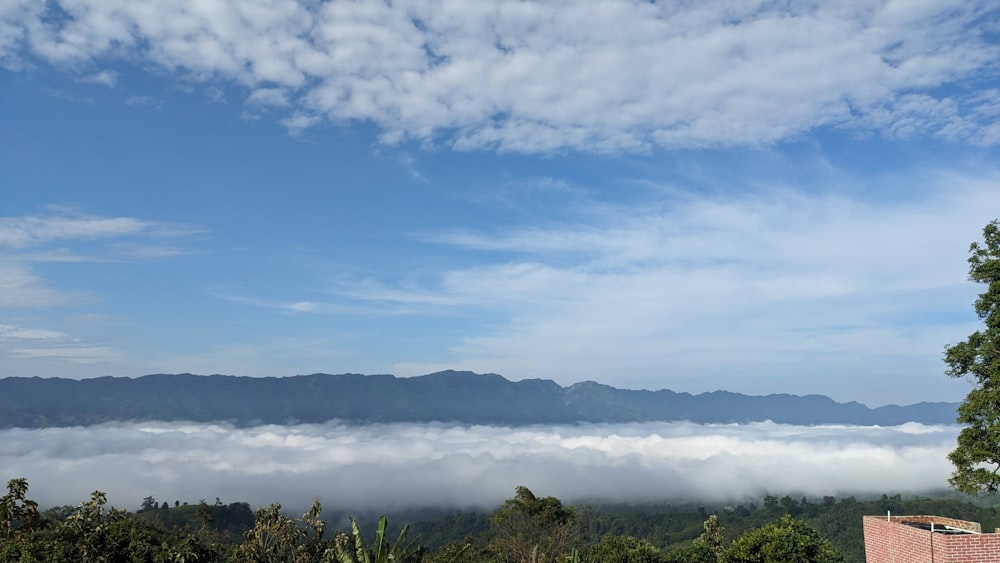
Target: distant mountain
(447, 396)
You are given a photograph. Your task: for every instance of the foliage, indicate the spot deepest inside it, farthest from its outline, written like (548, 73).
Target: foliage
(440, 530)
(977, 456)
(623, 549)
(694, 553)
(787, 541)
(663, 533)
(381, 551)
(274, 537)
(711, 539)
(18, 515)
(468, 550)
(528, 528)
(90, 533)
(220, 522)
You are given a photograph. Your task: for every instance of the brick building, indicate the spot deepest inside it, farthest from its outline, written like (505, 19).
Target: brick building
(928, 539)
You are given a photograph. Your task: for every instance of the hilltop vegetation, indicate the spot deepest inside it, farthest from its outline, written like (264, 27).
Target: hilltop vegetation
(525, 528)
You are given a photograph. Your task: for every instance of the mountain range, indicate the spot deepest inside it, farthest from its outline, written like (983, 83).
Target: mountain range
(447, 396)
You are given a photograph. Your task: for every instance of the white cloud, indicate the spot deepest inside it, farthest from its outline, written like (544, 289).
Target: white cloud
(28, 232)
(133, 251)
(26, 343)
(30, 239)
(12, 332)
(774, 292)
(25, 241)
(381, 467)
(299, 122)
(82, 354)
(268, 97)
(21, 287)
(778, 290)
(291, 307)
(602, 76)
(13, 14)
(104, 77)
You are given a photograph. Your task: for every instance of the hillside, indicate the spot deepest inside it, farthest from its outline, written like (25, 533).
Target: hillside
(448, 396)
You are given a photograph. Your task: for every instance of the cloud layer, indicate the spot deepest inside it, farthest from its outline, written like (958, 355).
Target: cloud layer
(598, 75)
(382, 467)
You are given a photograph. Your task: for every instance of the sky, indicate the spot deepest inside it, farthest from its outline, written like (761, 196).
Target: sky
(388, 467)
(760, 197)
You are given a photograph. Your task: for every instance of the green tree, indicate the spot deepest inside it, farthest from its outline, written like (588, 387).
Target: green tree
(273, 538)
(786, 541)
(468, 550)
(694, 553)
(623, 549)
(532, 530)
(314, 548)
(278, 538)
(977, 456)
(89, 533)
(711, 539)
(87, 527)
(18, 515)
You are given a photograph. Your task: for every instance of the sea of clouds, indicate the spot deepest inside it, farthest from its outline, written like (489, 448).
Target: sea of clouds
(394, 466)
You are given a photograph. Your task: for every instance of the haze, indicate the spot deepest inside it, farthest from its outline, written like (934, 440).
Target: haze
(385, 467)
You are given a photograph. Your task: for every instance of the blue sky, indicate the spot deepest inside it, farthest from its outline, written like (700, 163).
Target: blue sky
(694, 196)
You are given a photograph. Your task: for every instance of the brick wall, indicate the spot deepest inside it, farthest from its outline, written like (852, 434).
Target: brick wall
(983, 548)
(891, 541)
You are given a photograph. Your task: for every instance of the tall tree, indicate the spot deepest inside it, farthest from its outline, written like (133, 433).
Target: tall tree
(531, 529)
(977, 456)
(17, 513)
(712, 538)
(274, 537)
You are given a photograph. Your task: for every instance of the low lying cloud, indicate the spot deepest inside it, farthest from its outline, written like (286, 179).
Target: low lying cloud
(391, 466)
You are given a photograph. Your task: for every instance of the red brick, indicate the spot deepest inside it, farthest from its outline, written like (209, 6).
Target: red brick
(888, 540)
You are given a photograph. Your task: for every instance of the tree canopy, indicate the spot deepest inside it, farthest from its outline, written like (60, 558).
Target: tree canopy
(786, 541)
(526, 528)
(529, 528)
(977, 456)
(623, 549)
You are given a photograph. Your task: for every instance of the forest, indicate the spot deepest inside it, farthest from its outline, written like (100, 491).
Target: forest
(525, 528)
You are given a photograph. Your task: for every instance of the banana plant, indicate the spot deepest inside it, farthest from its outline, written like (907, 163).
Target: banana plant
(382, 551)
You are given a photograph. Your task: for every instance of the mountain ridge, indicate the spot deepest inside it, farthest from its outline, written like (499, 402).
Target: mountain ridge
(446, 396)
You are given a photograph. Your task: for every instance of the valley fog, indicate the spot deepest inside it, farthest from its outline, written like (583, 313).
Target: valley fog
(396, 466)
